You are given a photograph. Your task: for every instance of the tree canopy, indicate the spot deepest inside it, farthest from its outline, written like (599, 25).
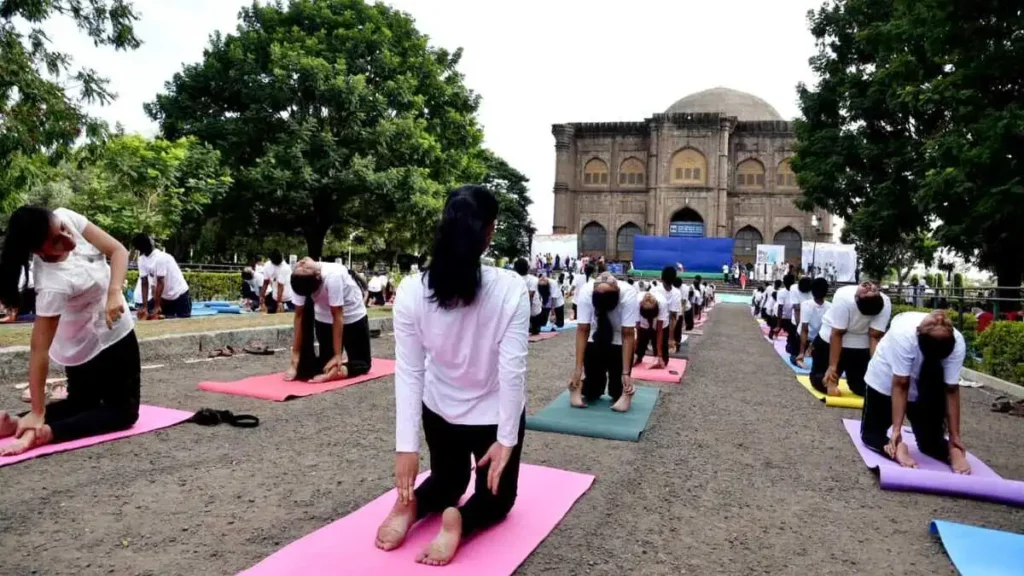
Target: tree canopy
(514, 230)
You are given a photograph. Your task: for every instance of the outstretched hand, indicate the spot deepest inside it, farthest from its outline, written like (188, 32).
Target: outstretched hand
(496, 458)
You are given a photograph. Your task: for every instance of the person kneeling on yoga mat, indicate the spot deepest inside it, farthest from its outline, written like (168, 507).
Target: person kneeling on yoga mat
(338, 321)
(652, 327)
(168, 296)
(811, 313)
(460, 352)
(915, 373)
(608, 313)
(853, 325)
(82, 322)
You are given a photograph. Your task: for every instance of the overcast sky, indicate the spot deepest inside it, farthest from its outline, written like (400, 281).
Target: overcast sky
(534, 62)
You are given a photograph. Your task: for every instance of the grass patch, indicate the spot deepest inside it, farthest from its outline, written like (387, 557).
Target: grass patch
(20, 334)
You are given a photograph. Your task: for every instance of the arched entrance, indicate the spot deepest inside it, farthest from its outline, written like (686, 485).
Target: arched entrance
(593, 240)
(624, 241)
(745, 250)
(791, 239)
(686, 223)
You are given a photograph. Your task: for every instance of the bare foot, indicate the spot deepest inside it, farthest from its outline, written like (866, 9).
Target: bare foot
(623, 403)
(28, 441)
(442, 548)
(8, 425)
(832, 389)
(392, 531)
(958, 461)
(576, 398)
(901, 455)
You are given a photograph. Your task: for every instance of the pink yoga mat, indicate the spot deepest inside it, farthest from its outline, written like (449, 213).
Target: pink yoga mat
(346, 545)
(273, 386)
(542, 336)
(644, 372)
(150, 418)
(936, 477)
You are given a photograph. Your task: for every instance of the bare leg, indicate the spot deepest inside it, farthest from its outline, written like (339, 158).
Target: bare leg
(442, 548)
(392, 531)
(8, 425)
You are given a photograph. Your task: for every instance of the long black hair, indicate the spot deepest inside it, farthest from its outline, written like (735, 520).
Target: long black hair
(461, 238)
(27, 230)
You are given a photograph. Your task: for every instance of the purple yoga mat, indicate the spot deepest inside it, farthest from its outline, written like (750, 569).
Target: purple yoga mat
(935, 477)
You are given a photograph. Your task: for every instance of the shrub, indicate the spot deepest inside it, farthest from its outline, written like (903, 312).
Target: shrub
(204, 285)
(940, 280)
(1002, 348)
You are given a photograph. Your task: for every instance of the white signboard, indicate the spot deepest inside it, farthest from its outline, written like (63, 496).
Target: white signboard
(770, 254)
(562, 245)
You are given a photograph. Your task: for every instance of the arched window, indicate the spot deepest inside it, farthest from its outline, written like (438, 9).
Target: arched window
(750, 175)
(594, 238)
(624, 239)
(784, 176)
(632, 173)
(747, 240)
(686, 223)
(689, 167)
(595, 173)
(790, 238)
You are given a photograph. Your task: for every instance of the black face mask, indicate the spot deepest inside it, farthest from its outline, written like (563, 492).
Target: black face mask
(935, 349)
(606, 301)
(870, 305)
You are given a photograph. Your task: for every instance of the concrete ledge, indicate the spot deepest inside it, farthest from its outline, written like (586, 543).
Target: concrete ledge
(993, 382)
(14, 359)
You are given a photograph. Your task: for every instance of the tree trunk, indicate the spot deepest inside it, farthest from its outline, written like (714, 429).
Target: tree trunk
(1008, 274)
(315, 242)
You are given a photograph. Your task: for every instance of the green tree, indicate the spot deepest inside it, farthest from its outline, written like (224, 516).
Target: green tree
(331, 114)
(878, 259)
(41, 97)
(514, 231)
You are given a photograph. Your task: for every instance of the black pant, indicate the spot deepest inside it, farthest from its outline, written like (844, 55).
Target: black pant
(249, 294)
(273, 307)
(602, 366)
(536, 322)
(927, 420)
(28, 302)
(677, 335)
(560, 316)
(378, 297)
(103, 394)
(450, 446)
(545, 315)
(852, 361)
(180, 307)
(645, 337)
(355, 341)
(688, 319)
(792, 339)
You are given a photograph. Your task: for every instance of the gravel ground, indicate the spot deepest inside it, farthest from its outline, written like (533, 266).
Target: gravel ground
(740, 472)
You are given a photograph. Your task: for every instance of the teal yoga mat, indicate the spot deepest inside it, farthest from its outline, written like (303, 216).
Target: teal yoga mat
(979, 551)
(734, 298)
(597, 420)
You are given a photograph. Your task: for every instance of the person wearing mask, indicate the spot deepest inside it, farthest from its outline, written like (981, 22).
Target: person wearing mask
(522, 267)
(460, 377)
(277, 279)
(651, 326)
(674, 304)
(605, 337)
(797, 296)
(915, 374)
(578, 282)
(328, 307)
(853, 326)
(169, 297)
(784, 312)
(82, 323)
(811, 313)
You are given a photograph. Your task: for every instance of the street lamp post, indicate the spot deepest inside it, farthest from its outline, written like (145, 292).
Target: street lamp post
(814, 243)
(350, 238)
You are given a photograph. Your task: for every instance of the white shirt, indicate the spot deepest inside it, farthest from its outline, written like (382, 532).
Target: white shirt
(844, 315)
(625, 314)
(468, 365)
(278, 275)
(663, 311)
(758, 298)
(26, 281)
(531, 285)
(698, 294)
(76, 290)
(811, 315)
(257, 280)
(338, 289)
(685, 296)
(796, 301)
(160, 264)
(557, 298)
(898, 354)
(374, 284)
(769, 303)
(725, 268)
(673, 299)
(578, 282)
(782, 299)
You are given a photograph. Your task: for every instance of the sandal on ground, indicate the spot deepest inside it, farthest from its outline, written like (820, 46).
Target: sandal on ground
(375, 333)
(1018, 409)
(225, 352)
(257, 348)
(1002, 404)
(211, 417)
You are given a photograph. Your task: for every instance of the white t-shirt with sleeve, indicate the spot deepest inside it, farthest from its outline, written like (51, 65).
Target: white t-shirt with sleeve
(531, 284)
(280, 275)
(374, 284)
(338, 289)
(578, 282)
(811, 314)
(160, 264)
(782, 299)
(673, 299)
(663, 311)
(769, 303)
(468, 364)
(796, 302)
(625, 314)
(698, 294)
(898, 354)
(844, 315)
(76, 290)
(557, 298)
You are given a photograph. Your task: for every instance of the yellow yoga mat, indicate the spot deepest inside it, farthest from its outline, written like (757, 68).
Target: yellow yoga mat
(847, 398)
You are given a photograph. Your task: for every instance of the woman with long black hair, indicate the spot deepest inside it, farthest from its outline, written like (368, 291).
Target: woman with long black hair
(460, 345)
(81, 323)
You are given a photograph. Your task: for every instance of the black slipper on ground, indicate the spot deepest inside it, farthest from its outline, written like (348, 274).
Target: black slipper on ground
(1002, 404)
(211, 417)
(375, 333)
(258, 349)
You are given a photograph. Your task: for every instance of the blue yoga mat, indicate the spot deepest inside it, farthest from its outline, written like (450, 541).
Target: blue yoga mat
(203, 312)
(733, 298)
(981, 551)
(217, 304)
(570, 325)
(597, 420)
(227, 309)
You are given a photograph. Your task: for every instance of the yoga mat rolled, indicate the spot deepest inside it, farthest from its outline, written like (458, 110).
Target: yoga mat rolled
(977, 551)
(935, 477)
(672, 373)
(541, 337)
(228, 309)
(597, 420)
(150, 418)
(346, 546)
(847, 398)
(550, 327)
(274, 387)
(203, 312)
(217, 304)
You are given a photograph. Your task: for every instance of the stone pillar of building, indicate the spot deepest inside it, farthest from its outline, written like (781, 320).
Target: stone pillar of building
(721, 220)
(564, 221)
(651, 225)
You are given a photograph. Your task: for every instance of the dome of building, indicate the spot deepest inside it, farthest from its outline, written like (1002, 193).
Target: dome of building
(745, 107)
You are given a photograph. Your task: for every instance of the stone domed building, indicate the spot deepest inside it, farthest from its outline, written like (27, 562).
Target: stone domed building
(715, 164)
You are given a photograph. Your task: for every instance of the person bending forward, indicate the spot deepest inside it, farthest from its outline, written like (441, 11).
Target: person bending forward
(853, 325)
(652, 327)
(337, 320)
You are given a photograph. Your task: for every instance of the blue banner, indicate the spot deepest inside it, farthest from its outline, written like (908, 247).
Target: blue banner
(704, 255)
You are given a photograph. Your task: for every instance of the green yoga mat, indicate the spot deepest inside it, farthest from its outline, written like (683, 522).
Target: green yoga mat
(597, 420)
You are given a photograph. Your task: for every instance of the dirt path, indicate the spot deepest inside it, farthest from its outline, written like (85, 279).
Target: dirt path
(740, 472)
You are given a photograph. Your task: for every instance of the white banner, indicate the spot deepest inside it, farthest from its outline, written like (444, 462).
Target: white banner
(838, 262)
(770, 254)
(562, 245)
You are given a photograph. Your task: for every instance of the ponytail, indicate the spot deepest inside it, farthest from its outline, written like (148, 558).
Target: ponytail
(27, 231)
(453, 275)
